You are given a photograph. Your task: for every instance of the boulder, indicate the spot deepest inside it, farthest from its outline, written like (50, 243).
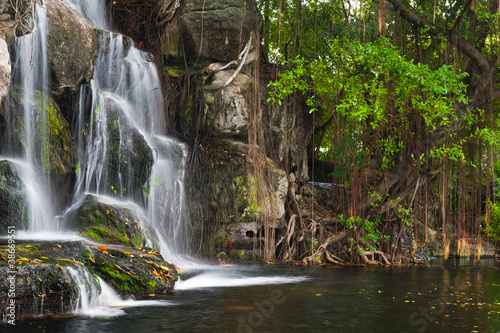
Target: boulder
(105, 222)
(129, 158)
(72, 47)
(48, 276)
(211, 30)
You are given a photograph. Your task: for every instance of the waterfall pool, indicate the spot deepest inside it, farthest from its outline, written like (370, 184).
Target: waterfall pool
(456, 295)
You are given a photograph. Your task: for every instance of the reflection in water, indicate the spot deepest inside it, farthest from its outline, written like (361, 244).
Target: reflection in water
(452, 296)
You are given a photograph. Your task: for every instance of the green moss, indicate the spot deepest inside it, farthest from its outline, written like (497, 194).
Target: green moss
(92, 234)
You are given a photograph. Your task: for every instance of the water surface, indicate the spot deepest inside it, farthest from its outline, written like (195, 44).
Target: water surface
(452, 296)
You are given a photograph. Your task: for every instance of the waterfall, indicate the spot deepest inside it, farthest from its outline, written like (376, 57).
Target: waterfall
(28, 129)
(126, 116)
(97, 299)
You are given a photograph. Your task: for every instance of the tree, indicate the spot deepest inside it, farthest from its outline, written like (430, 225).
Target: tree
(408, 121)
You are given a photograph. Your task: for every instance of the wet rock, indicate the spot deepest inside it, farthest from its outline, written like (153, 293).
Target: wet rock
(13, 205)
(132, 272)
(72, 46)
(44, 275)
(105, 223)
(129, 160)
(54, 151)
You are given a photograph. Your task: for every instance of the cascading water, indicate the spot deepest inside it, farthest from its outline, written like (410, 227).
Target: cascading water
(28, 129)
(123, 127)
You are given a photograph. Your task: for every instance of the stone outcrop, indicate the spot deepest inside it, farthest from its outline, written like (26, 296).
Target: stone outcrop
(104, 222)
(227, 108)
(130, 159)
(209, 30)
(45, 282)
(72, 46)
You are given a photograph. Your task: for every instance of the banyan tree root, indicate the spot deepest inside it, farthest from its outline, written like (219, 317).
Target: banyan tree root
(365, 259)
(323, 249)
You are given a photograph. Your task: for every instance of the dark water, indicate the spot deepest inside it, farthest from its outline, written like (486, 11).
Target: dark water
(451, 296)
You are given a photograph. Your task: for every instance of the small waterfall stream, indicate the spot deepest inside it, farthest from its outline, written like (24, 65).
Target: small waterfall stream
(28, 144)
(126, 93)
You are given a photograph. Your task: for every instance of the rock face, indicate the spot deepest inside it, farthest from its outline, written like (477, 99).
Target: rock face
(5, 69)
(228, 107)
(233, 198)
(13, 205)
(73, 46)
(218, 30)
(290, 131)
(211, 30)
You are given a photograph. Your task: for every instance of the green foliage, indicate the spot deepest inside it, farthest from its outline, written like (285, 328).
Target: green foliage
(367, 229)
(377, 92)
(494, 228)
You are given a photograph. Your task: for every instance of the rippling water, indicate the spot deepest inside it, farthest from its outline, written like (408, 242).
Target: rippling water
(452, 296)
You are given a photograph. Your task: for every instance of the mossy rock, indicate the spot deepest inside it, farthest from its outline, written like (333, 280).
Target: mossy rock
(105, 223)
(44, 284)
(131, 272)
(54, 151)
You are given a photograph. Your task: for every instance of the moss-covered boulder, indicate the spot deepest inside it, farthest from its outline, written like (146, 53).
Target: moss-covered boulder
(132, 272)
(13, 205)
(105, 223)
(72, 46)
(46, 277)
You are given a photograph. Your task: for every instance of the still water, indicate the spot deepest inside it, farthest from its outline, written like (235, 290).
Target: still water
(445, 296)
